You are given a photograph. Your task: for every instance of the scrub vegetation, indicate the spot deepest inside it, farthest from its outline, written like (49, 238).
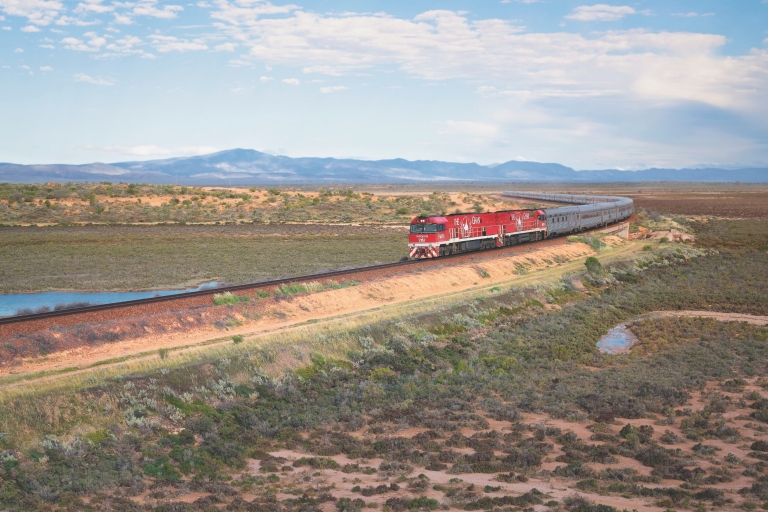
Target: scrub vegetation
(104, 258)
(376, 414)
(109, 203)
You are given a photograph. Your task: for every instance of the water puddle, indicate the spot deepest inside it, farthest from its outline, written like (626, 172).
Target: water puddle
(619, 340)
(25, 303)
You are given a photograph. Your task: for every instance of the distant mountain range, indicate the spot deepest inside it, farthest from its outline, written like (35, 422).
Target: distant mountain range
(250, 167)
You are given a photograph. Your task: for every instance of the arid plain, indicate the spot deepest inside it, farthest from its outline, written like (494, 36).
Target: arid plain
(473, 385)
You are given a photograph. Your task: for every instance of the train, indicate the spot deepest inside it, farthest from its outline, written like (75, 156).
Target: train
(433, 236)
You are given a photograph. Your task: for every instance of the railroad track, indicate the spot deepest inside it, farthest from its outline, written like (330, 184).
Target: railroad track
(26, 324)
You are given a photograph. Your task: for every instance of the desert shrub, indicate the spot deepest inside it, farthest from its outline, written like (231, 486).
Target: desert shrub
(593, 265)
(349, 505)
(228, 298)
(317, 463)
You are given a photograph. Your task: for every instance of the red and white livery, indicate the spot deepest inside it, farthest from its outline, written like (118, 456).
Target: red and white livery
(438, 235)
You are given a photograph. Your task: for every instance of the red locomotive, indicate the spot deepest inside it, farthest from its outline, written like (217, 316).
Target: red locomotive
(438, 235)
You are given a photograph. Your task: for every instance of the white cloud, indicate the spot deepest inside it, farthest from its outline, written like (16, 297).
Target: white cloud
(18, 50)
(333, 88)
(174, 44)
(149, 8)
(691, 14)
(95, 6)
(291, 81)
(37, 12)
(94, 43)
(46, 68)
(441, 45)
(238, 63)
(265, 79)
(7, 28)
(152, 150)
(471, 128)
(132, 10)
(247, 12)
(600, 12)
(30, 28)
(128, 45)
(48, 46)
(226, 47)
(82, 77)
(68, 20)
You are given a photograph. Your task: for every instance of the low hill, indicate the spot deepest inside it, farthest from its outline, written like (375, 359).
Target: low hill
(250, 167)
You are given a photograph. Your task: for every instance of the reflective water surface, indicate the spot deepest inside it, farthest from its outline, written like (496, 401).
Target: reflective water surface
(618, 340)
(11, 303)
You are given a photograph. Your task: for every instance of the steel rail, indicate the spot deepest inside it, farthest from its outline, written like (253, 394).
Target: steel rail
(239, 287)
(257, 285)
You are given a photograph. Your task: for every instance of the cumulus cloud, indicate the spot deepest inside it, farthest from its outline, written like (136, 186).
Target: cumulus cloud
(265, 79)
(226, 47)
(37, 12)
(247, 12)
(174, 44)
(30, 28)
(600, 12)
(82, 77)
(440, 45)
(18, 50)
(95, 6)
(68, 20)
(333, 88)
(152, 150)
(94, 43)
(46, 68)
(128, 45)
(291, 81)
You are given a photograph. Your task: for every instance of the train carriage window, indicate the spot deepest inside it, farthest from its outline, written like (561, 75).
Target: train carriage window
(427, 228)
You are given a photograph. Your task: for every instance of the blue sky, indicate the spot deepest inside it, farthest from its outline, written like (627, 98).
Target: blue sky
(591, 85)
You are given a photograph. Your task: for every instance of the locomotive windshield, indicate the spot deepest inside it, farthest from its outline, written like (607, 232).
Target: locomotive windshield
(427, 228)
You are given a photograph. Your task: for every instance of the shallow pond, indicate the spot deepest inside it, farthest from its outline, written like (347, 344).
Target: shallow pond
(11, 303)
(618, 340)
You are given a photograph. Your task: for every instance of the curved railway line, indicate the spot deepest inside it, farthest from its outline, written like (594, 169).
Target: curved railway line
(27, 324)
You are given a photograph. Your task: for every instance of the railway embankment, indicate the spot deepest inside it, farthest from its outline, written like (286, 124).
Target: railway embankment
(130, 332)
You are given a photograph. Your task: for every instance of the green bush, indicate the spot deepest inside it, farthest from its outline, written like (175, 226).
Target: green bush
(593, 265)
(221, 299)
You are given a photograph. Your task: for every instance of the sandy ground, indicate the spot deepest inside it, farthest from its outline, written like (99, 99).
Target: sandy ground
(673, 235)
(296, 480)
(559, 488)
(723, 317)
(411, 285)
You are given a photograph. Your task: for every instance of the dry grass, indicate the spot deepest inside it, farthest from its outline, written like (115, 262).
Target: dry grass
(155, 257)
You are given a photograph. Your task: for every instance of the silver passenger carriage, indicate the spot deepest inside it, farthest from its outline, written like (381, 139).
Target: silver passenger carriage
(591, 212)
